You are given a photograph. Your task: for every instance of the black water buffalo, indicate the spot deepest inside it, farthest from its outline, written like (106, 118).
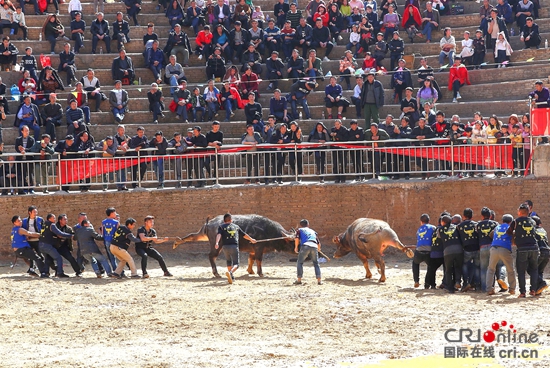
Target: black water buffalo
(258, 227)
(368, 238)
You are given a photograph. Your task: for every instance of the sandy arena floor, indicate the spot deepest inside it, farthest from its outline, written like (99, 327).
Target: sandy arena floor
(194, 320)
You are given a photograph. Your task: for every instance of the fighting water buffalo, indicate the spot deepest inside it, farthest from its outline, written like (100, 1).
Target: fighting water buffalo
(258, 227)
(368, 238)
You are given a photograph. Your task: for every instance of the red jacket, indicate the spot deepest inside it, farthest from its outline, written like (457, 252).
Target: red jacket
(250, 83)
(203, 38)
(370, 64)
(459, 73)
(416, 16)
(324, 17)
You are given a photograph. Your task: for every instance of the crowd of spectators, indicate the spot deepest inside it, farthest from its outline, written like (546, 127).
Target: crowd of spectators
(240, 46)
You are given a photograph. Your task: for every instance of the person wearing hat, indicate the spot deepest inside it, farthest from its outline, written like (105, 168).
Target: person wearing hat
(215, 65)
(148, 236)
(65, 147)
(397, 48)
(372, 98)
(458, 76)
(239, 38)
(275, 68)
(251, 58)
(298, 94)
(321, 38)
(304, 36)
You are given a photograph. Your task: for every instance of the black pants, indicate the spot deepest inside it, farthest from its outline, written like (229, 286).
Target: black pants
(142, 169)
(198, 164)
(544, 257)
(320, 162)
(329, 46)
(144, 253)
(527, 261)
(374, 156)
(281, 157)
(339, 164)
(419, 258)
(65, 253)
(30, 254)
(252, 163)
(433, 266)
(453, 270)
(270, 166)
(292, 158)
(34, 246)
(357, 161)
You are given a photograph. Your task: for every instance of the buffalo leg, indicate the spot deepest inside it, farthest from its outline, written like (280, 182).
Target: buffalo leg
(259, 257)
(214, 253)
(250, 270)
(381, 269)
(365, 261)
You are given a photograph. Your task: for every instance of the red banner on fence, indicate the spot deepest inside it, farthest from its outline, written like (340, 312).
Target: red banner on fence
(486, 155)
(540, 119)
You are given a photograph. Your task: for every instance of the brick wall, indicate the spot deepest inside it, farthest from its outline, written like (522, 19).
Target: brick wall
(330, 208)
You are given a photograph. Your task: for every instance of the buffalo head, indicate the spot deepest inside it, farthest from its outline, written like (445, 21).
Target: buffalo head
(342, 246)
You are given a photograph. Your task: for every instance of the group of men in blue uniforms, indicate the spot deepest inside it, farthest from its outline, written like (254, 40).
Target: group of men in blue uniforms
(475, 254)
(44, 243)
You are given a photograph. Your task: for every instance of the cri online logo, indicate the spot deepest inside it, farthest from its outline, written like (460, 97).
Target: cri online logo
(489, 336)
(500, 332)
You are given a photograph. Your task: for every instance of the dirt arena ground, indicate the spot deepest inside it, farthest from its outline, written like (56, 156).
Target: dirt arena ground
(194, 320)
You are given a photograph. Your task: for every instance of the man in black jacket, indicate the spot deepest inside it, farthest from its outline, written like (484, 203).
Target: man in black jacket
(100, 32)
(199, 141)
(372, 98)
(65, 148)
(121, 31)
(321, 38)
(52, 115)
(23, 144)
(304, 36)
(239, 38)
(123, 67)
(178, 42)
(530, 34)
(298, 94)
(64, 246)
(339, 133)
(215, 65)
(137, 142)
(161, 144)
(422, 132)
(253, 113)
(356, 133)
(275, 69)
(222, 14)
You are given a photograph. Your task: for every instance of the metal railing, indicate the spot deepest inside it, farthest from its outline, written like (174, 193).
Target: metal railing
(235, 164)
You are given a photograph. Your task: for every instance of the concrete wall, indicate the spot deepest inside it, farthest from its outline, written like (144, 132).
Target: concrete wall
(330, 207)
